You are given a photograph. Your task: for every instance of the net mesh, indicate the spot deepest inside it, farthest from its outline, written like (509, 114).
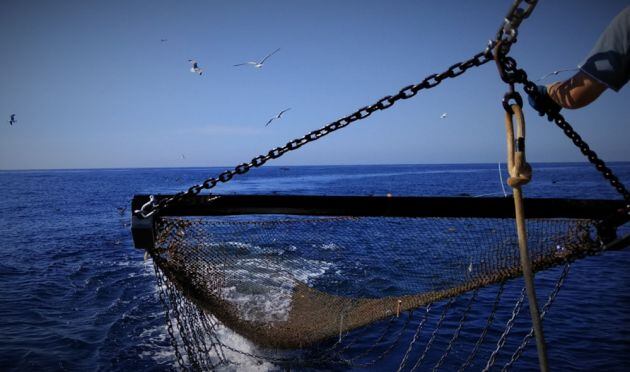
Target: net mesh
(288, 282)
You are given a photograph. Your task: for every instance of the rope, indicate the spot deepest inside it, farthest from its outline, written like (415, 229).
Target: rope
(520, 174)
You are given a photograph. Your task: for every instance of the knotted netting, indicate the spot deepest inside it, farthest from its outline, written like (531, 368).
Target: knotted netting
(292, 282)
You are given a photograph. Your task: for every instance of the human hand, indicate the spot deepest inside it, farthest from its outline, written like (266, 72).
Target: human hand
(542, 102)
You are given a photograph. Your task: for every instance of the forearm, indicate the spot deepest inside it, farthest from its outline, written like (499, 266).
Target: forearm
(576, 92)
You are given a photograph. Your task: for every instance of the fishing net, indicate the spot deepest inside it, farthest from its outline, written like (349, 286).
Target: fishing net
(289, 282)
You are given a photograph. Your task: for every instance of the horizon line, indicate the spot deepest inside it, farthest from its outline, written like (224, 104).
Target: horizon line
(288, 165)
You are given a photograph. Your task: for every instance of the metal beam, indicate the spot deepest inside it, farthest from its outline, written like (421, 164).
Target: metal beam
(382, 206)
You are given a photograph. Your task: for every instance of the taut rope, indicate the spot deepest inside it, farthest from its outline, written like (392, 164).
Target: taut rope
(521, 174)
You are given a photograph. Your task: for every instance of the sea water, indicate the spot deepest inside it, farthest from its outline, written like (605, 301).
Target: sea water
(76, 295)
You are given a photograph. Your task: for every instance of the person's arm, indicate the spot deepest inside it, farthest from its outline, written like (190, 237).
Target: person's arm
(606, 66)
(576, 92)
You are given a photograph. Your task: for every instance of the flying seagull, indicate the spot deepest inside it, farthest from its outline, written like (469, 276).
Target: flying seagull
(557, 72)
(12, 120)
(163, 40)
(195, 68)
(258, 64)
(443, 116)
(277, 116)
(183, 157)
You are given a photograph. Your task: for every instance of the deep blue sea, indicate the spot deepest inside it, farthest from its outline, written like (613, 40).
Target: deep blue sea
(76, 295)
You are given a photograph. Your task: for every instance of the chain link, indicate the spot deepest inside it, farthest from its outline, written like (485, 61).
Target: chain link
(489, 321)
(509, 28)
(384, 103)
(433, 335)
(368, 350)
(508, 328)
(385, 352)
(415, 337)
(552, 296)
(451, 342)
(511, 74)
(184, 333)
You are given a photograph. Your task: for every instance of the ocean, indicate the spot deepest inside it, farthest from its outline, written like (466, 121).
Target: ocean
(76, 295)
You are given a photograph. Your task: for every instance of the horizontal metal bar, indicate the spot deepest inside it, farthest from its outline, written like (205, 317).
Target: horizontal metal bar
(382, 206)
(373, 206)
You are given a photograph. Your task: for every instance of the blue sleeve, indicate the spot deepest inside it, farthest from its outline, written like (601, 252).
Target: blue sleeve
(609, 61)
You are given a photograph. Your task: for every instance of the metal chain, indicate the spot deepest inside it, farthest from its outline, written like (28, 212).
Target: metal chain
(209, 327)
(511, 74)
(555, 116)
(389, 349)
(415, 338)
(184, 333)
(386, 102)
(509, 28)
(169, 322)
(433, 335)
(552, 296)
(198, 337)
(462, 320)
(508, 327)
(484, 332)
(368, 350)
(258, 356)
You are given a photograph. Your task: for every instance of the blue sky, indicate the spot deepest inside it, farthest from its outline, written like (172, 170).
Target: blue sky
(93, 86)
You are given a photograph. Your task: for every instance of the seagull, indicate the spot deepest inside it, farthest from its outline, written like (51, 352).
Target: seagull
(12, 120)
(443, 115)
(258, 64)
(556, 73)
(195, 69)
(183, 157)
(277, 116)
(163, 40)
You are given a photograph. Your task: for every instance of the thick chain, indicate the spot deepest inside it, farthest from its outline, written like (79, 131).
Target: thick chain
(558, 119)
(509, 28)
(386, 102)
(511, 74)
